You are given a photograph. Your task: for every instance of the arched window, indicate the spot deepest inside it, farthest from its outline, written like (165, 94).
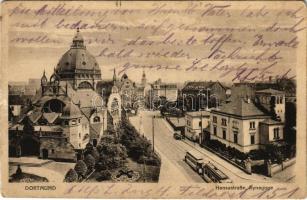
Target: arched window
(85, 85)
(96, 119)
(53, 105)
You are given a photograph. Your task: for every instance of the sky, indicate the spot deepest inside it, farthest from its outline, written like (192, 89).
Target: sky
(164, 41)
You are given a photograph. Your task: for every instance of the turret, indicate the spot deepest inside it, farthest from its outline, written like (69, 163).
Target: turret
(44, 82)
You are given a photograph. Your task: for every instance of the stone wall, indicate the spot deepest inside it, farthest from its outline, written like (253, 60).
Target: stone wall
(57, 149)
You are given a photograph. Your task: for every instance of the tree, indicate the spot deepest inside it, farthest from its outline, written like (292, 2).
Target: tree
(89, 161)
(111, 156)
(71, 176)
(81, 168)
(95, 154)
(89, 147)
(104, 175)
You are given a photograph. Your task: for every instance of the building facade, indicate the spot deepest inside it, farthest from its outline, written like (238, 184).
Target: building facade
(243, 125)
(66, 113)
(196, 122)
(198, 95)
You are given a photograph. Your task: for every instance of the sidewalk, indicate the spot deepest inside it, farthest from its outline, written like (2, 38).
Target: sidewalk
(28, 161)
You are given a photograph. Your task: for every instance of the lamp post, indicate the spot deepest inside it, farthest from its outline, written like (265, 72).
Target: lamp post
(153, 133)
(208, 89)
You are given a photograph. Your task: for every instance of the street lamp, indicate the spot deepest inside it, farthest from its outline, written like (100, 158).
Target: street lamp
(153, 133)
(208, 89)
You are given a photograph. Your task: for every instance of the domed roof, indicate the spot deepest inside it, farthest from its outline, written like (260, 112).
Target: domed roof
(77, 58)
(71, 111)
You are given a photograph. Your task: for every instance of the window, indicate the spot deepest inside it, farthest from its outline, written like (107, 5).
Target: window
(235, 124)
(214, 119)
(280, 100)
(79, 120)
(12, 107)
(73, 122)
(52, 150)
(224, 122)
(253, 139)
(79, 135)
(97, 119)
(66, 122)
(276, 133)
(224, 134)
(235, 137)
(251, 125)
(214, 130)
(188, 122)
(200, 124)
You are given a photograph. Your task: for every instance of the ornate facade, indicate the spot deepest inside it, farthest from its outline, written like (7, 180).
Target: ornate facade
(67, 113)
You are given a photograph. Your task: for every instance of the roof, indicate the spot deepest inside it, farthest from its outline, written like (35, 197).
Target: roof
(35, 115)
(51, 117)
(77, 58)
(71, 111)
(177, 121)
(95, 130)
(270, 91)
(200, 85)
(240, 107)
(271, 122)
(86, 98)
(198, 113)
(196, 154)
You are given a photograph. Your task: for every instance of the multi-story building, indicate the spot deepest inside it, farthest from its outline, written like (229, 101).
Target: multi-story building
(127, 89)
(167, 90)
(17, 88)
(243, 125)
(198, 95)
(273, 102)
(66, 113)
(196, 122)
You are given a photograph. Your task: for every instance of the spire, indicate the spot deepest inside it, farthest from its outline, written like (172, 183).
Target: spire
(44, 79)
(114, 75)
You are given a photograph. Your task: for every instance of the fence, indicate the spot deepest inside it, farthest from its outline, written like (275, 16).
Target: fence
(273, 169)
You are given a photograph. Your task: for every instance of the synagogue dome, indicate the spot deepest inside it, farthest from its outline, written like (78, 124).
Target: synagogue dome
(77, 59)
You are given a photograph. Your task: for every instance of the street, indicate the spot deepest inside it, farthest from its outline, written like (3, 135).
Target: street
(173, 168)
(172, 152)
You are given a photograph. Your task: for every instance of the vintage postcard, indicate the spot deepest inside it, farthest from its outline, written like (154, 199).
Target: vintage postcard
(153, 99)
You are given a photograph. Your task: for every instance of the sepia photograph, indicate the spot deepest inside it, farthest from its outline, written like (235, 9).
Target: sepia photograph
(189, 99)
